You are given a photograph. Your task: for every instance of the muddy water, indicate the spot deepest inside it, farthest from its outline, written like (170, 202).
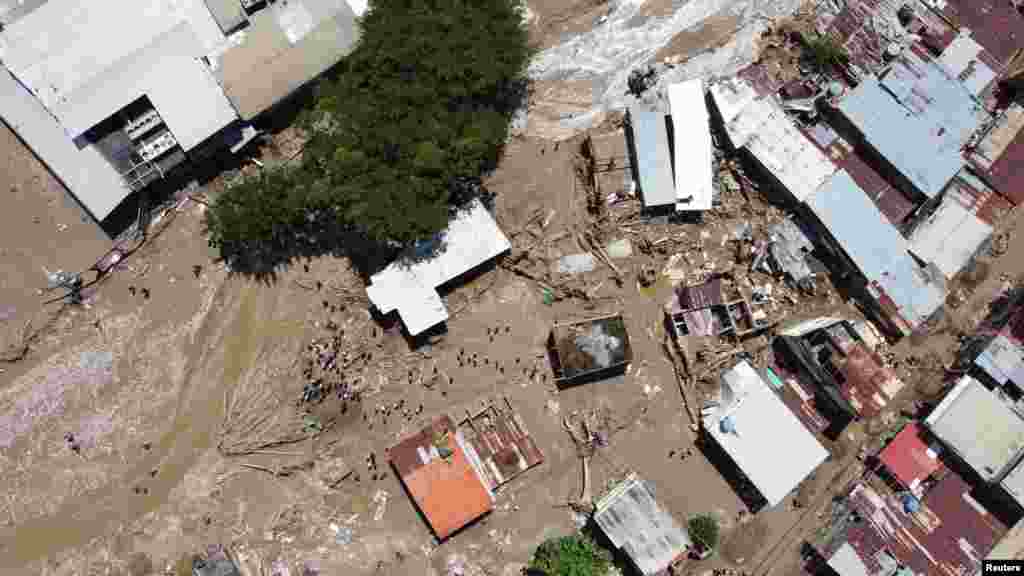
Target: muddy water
(218, 354)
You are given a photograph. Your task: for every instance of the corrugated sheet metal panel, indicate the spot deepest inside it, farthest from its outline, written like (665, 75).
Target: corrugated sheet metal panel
(691, 133)
(654, 165)
(887, 126)
(995, 25)
(634, 522)
(949, 237)
(54, 59)
(93, 181)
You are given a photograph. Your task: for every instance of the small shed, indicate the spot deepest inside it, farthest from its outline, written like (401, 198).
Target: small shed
(647, 138)
(589, 349)
(631, 518)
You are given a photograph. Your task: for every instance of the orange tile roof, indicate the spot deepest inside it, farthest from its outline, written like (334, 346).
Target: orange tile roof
(448, 492)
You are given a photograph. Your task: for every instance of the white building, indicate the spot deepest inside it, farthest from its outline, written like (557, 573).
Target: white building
(110, 95)
(691, 139)
(472, 239)
(755, 428)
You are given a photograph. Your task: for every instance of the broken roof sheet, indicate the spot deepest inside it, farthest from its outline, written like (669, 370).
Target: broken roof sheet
(919, 101)
(762, 423)
(501, 443)
(949, 237)
(691, 136)
(909, 458)
(635, 523)
(982, 429)
(949, 534)
(650, 141)
(441, 478)
(587, 347)
(877, 249)
(471, 239)
(764, 129)
(868, 384)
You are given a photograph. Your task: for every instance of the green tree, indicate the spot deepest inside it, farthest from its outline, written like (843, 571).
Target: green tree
(825, 52)
(704, 530)
(416, 114)
(574, 555)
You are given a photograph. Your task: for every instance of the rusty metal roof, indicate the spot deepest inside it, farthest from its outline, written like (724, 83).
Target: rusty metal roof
(869, 384)
(501, 442)
(949, 534)
(440, 478)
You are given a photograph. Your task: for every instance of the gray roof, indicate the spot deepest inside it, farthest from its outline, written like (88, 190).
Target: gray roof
(636, 524)
(229, 14)
(654, 166)
(979, 427)
(917, 102)
(286, 46)
(876, 248)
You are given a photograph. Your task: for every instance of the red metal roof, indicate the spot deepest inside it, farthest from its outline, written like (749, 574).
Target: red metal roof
(1005, 172)
(908, 458)
(948, 536)
(993, 23)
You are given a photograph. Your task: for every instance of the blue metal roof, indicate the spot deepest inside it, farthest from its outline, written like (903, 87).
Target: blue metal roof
(875, 247)
(918, 117)
(654, 166)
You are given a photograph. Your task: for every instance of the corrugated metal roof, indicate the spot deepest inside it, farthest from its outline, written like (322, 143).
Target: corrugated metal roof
(635, 523)
(846, 562)
(1003, 360)
(995, 25)
(876, 248)
(691, 135)
(85, 173)
(909, 458)
(915, 101)
(447, 489)
(986, 433)
(869, 385)
(764, 129)
(472, 238)
(654, 165)
(950, 534)
(963, 59)
(949, 237)
(286, 46)
(763, 423)
(502, 444)
(63, 44)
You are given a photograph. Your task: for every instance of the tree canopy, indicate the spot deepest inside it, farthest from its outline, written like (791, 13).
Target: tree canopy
(398, 139)
(575, 555)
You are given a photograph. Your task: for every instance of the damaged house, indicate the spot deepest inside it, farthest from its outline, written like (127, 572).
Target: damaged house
(850, 381)
(501, 443)
(589, 350)
(714, 308)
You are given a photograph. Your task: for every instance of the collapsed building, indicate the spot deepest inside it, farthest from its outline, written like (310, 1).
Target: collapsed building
(589, 350)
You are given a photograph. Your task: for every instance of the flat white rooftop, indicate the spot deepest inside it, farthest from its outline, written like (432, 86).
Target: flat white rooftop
(758, 429)
(472, 238)
(982, 429)
(691, 136)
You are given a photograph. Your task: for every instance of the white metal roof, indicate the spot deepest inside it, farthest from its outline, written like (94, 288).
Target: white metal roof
(764, 129)
(764, 426)
(654, 166)
(979, 427)
(692, 145)
(1014, 483)
(61, 45)
(731, 96)
(949, 237)
(86, 174)
(180, 87)
(961, 59)
(472, 238)
(846, 562)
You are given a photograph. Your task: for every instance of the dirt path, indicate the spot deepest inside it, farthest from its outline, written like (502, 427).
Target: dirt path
(198, 413)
